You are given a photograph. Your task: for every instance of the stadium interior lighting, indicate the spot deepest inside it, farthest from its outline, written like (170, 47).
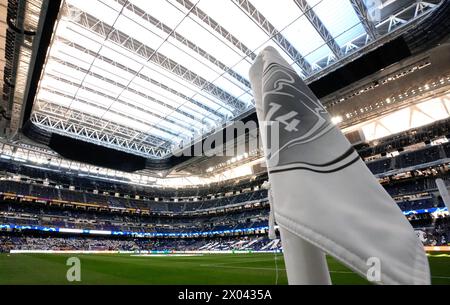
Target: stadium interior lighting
(423, 113)
(167, 75)
(115, 139)
(336, 120)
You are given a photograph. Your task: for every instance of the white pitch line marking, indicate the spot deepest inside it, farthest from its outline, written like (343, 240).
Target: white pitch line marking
(268, 268)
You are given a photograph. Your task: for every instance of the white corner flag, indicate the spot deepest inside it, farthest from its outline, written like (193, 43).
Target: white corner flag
(324, 196)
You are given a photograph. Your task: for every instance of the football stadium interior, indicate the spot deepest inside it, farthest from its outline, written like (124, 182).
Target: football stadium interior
(117, 119)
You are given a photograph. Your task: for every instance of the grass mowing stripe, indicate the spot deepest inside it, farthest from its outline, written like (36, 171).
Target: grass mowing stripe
(206, 269)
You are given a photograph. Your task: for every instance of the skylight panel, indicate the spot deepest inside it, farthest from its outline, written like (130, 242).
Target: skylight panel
(150, 119)
(113, 75)
(117, 71)
(188, 62)
(130, 58)
(105, 12)
(68, 54)
(339, 17)
(154, 105)
(82, 96)
(304, 37)
(201, 68)
(280, 13)
(58, 86)
(116, 77)
(213, 65)
(93, 83)
(247, 98)
(134, 98)
(210, 42)
(52, 83)
(242, 67)
(240, 24)
(228, 86)
(176, 51)
(198, 112)
(181, 118)
(156, 72)
(130, 111)
(207, 119)
(170, 14)
(434, 108)
(149, 105)
(166, 95)
(189, 47)
(157, 92)
(282, 52)
(121, 55)
(218, 36)
(110, 116)
(207, 40)
(109, 88)
(53, 98)
(83, 107)
(110, 99)
(94, 98)
(140, 33)
(318, 54)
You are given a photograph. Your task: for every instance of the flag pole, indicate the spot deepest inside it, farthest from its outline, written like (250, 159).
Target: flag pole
(322, 190)
(305, 263)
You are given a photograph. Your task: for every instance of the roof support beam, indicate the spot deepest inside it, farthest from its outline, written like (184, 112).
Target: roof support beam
(87, 128)
(59, 112)
(387, 30)
(188, 43)
(320, 27)
(363, 15)
(194, 10)
(60, 92)
(270, 30)
(184, 124)
(107, 126)
(150, 80)
(106, 31)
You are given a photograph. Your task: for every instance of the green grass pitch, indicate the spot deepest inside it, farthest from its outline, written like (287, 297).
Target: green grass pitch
(206, 269)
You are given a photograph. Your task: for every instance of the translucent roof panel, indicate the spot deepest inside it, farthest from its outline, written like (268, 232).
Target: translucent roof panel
(292, 23)
(280, 13)
(339, 18)
(240, 25)
(306, 40)
(153, 74)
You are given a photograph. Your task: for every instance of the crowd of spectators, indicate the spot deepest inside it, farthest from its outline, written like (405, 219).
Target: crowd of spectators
(55, 216)
(412, 186)
(434, 232)
(185, 205)
(407, 138)
(21, 241)
(209, 211)
(421, 203)
(50, 192)
(407, 159)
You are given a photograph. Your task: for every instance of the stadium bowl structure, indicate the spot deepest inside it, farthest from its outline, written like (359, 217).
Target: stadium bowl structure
(131, 151)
